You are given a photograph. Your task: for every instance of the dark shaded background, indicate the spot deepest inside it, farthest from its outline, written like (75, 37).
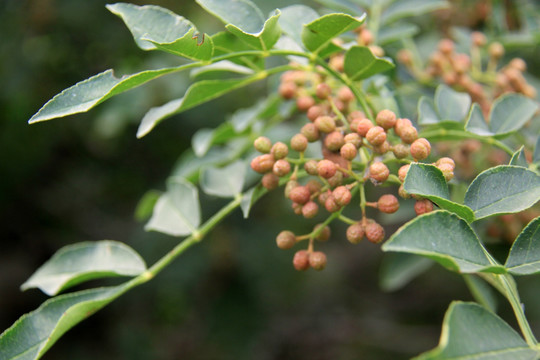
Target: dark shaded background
(234, 296)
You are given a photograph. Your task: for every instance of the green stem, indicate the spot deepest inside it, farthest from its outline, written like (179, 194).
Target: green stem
(375, 18)
(442, 134)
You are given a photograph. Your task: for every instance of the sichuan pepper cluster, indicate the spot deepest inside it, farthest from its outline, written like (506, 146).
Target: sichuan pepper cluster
(355, 150)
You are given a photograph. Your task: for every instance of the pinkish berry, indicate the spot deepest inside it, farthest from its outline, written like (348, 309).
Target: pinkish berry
(355, 233)
(310, 209)
(342, 195)
(402, 172)
(408, 134)
(304, 102)
(279, 150)
(374, 232)
(301, 260)
(447, 170)
(326, 168)
(285, 240)
(356, 115)
(376, 135)
(299, 143)
(388, 204)
(311, 132)
(379, 172)
(297, 208)
(334, 141)
(386, 119)
(323, 91)
(348, 151)
(345, 94)
(270, 181)
(400, 125)
(262, 163)
(403, 193)
(353, 138)
(300, 194)
(315, 111)
(420, 149)
(423, 206)
(314, 186)
(325, 124)
(323, 196)
(291, 184)
(262, 144)
(446, 160)
(331, 205)
(287, 90)
(363, 127)
(336, 180)
(311, 167)
(325, 233)
(281, 167)
(383, 148)
(317, 260)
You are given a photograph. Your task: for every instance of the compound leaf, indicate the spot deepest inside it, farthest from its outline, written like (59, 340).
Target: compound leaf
(88, 93)
(154, 27)
(84, 261)
(318, 34)
(360, 63)
(471, 332)
(445, 238)
(34, 333)
(177, 212)
(227, 181)
(503, 189)
(524, 257)
(428, 181)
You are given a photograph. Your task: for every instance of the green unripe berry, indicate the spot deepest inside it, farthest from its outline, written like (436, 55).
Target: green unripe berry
(383, 148)
(386, 119)
(400, 151)
(334, 141)
(311, 132)
(348, 151)
(279, 150)
(376, 135)
(355, 233)
(301, 260)
(325, 124)
(314, 186)
(336, 180)
(300, 195)
(297, 208)
(285, 240)
(311, 167)
(374, 232)
(326, 168)
(281, 167)
(262, 144)
(263, 163)
(291, 184)
(388, 204)
(378, 172)
(325, 233)
(299, 143)
(310, 209)
(270, 181)
(317, 260)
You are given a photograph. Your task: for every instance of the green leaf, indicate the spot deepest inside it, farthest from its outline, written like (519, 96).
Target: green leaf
(74, 264)
(428, 181)
(510, 112)
(476, 123)
(451, 105)
(250, 197)
(154, 27)
(318, 34)
(389, 34)
(177, 211)
(227, 43)
(481, 291)
(146, 205)
(243, 14)
(503, 189)
(519, 159)
(524, 257)
(198, 93)
(261, 40)
(293, 18)
(34, 333)
(345, 6)
(426, 112)
(224, 66)
(189, 165)
(445, 238)
(398, 269)
(536, 155)
(407, 8)
(360, 63)
(224, 182)
(201, 141)
(86, 94)
(470, 332)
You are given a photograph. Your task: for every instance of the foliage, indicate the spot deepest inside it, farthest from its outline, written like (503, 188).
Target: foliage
(357, 102)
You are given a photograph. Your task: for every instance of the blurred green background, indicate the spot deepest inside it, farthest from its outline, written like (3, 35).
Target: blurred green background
(234, 296)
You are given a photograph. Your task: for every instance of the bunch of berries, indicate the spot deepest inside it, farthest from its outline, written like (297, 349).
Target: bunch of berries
(465, 72)
(354, 150)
